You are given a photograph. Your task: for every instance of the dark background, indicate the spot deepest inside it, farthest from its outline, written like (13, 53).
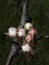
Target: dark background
(10, 14)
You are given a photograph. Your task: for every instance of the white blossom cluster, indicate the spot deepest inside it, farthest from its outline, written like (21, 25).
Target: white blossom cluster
(27, 33)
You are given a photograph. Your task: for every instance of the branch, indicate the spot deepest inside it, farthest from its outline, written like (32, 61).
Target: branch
(24, 13)
(16, 48)
(12, 52)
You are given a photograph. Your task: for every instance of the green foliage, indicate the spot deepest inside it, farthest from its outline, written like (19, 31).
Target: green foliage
(10, 14)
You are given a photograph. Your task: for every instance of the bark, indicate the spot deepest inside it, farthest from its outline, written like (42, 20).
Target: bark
(14, 48)
(12, 52)
(24, 13)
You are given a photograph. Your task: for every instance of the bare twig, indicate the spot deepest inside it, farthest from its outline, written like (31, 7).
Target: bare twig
(12, 52)
(14, 47)
(24, 12)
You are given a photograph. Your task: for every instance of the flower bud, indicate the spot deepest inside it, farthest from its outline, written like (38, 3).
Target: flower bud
(21, 32)
(26, 48)
(12, 31)
(32, 32)
(28, 26)
(28, 38)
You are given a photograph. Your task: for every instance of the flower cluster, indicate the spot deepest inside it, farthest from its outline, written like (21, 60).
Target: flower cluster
(26, 33)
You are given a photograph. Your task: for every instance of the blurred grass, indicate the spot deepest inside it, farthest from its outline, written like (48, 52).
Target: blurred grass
(10, 14)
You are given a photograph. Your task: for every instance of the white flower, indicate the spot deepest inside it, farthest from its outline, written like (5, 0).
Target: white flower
(21, 32)
(12, 31)
(28, 26)
(26, 48)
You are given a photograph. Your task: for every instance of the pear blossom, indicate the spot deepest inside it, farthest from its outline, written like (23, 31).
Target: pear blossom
(21, 32)
(12, 31)
(26, 48)
(32, 32)
(28, 38)
(28, 26)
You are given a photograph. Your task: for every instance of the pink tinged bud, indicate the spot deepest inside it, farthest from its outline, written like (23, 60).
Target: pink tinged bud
(21, 32)
(12, 31)
(32, 32)
(28, 38)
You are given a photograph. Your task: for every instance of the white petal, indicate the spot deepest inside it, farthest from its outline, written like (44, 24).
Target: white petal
(26, 48)
(21, 32)
(12, 31)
